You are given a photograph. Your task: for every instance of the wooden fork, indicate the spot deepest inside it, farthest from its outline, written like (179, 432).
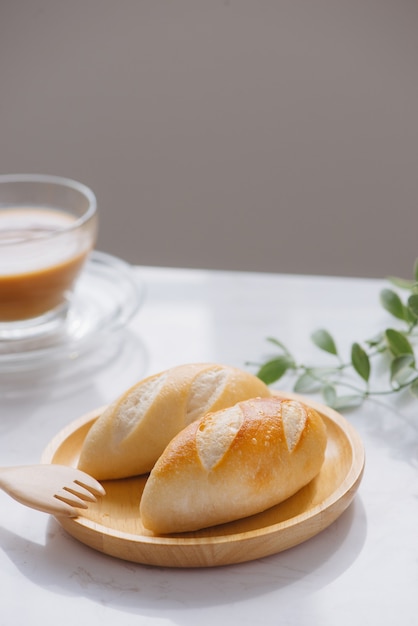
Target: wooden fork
(55, 489)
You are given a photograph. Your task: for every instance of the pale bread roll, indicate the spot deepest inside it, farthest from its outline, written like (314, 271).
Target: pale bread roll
(130, 435)
(233, 463)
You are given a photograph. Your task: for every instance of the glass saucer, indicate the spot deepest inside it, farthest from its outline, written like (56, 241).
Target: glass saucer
(107, 296)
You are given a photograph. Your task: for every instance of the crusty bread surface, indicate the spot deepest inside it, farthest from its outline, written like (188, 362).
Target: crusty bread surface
(130, 435)
(233, 463)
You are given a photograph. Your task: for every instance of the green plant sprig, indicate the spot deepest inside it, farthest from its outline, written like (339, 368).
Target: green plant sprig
(347, 384)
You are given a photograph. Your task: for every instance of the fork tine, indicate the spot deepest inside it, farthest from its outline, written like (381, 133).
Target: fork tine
(68, 498)
(81, 492)
(90, 483)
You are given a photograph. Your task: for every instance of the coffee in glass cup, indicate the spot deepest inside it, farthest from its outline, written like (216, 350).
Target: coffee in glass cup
(48, 226)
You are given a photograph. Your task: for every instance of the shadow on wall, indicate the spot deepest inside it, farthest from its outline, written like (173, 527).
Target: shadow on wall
(232, 135)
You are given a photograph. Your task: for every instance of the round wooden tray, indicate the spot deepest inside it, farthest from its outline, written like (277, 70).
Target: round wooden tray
(113, 525)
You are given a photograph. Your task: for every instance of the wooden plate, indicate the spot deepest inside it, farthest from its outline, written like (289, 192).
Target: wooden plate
(113, 525)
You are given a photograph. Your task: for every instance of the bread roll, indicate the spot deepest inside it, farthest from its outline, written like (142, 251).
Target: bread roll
(130, 435)
(233, 463)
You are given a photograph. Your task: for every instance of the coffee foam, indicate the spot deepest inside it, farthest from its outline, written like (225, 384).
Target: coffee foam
(34, 238)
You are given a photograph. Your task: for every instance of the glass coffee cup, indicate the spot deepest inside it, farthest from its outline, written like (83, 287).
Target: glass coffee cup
(48, 227)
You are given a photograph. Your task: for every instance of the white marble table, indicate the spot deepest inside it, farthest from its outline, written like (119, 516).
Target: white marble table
(363, 569)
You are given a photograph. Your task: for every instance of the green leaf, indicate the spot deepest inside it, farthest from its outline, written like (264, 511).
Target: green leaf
(401, 368)
(402, 283)
(306, 383)
(278, 343)
(323, 340)
(413, 304)
(376, 342)
(398, 343)
(348, 402)
(393, 304)
(274, 369)
(329, 394)
(360, 361)
(414, 388)
(416, 270)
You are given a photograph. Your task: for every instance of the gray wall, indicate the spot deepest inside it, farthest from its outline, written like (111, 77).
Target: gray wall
(235, 134)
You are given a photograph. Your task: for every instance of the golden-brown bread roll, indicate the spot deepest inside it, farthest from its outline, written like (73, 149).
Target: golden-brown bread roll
(131, 433)
(233, 463)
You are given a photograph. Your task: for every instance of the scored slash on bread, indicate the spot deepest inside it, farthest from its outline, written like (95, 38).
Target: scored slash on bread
(233, 463)
(131, 434)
